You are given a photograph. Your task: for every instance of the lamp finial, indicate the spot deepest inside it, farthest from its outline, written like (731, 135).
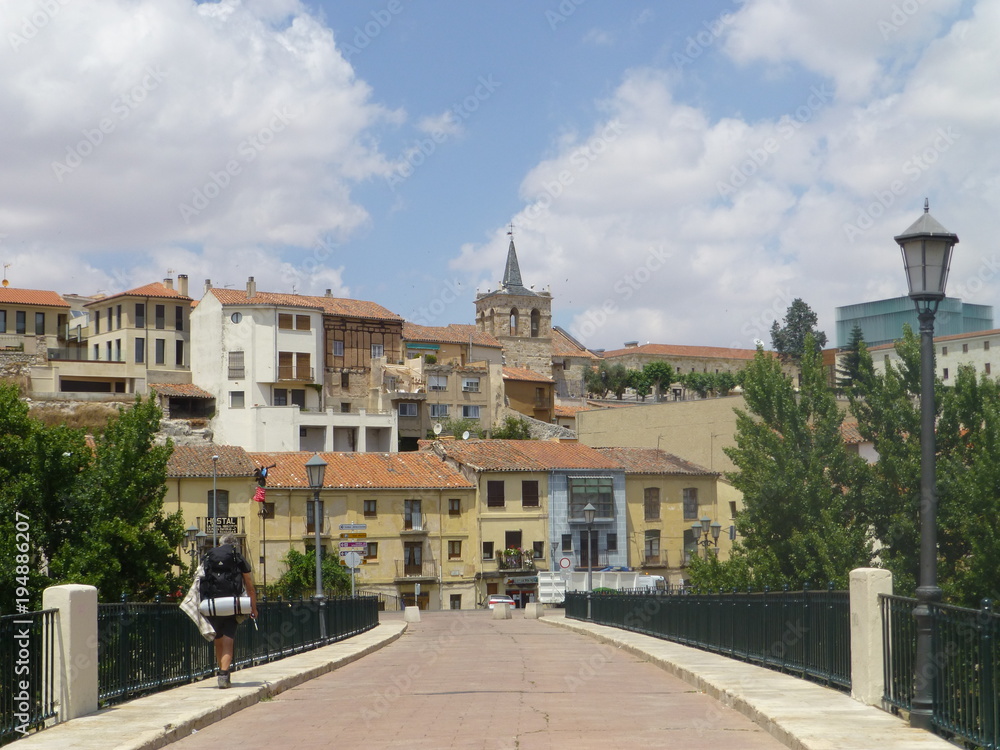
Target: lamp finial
(927, 206)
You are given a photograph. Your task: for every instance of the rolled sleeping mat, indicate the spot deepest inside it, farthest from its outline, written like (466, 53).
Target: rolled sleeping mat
(224, 606)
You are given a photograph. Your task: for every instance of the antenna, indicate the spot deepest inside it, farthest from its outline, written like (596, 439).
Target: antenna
(5, 267)
(437, 428)
(465, 435)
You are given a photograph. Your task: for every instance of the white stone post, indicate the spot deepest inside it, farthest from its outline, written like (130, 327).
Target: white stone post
(75, 643)
(867, 676)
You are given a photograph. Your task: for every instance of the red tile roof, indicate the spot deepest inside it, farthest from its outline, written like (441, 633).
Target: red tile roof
(453, 333)
(672, 350)
(364, 471)
(523, 373)
(157, 289)
(180, 389)
(196, 461)
(522, 455)
(347, 308)
(12, 296)
(653, 461)
(849, 431)
(570, 411)
(564, 346)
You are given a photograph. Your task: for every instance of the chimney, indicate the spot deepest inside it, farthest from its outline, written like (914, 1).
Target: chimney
(168, 283)
(208, 285)
(251, 288)
(182, 284)
(329, 292)
(631, 344)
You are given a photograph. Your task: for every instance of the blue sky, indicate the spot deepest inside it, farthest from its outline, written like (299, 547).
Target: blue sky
(675, 172)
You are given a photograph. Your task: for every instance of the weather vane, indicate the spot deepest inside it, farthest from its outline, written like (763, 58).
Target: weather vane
(511, 232)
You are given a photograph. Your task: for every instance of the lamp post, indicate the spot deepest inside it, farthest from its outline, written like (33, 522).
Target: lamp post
(589, 511)
(215, 501)
(704, 528)
(191, 542)
(315, 472)
(927, 248)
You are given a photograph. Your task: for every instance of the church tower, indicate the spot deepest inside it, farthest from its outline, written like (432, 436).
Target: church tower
(519, 318)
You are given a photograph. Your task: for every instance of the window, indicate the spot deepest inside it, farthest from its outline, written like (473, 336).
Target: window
(345, 407)
(513, 322)
(140, 350)
(108, 349)
(690, 546)
(986, 368)
(178, 318)
(944, 374)
(944, 351)
(494, 494)
(612, 542)
(487, 550)
(3, 321)
(732, 509)
(236, 399)
(455, 549)
(286, 368)
(311, 516)
(408, 409)
(371, 551)
(651, 546)
(303, 366)
(540, 397)
(437, 382)
(529, 493)
(140, 314)
(470, 411)
(965, 348)
(159, 351)
(285, 321)
(298, 397)
(280, 397)
(454, 507)
(267, 510)
(538, 550)
(378, 350)
(986, 346)
(118, 350)
(160, 315)
(237, 371)
(118, 316)
(439, 410)
(345, 380)
(179, 353)
(338, 348)
(470, 385)
(598, 491)
(536, 322)
(651, 503)
(20, 322)
(236, 317)
(371, 508)
(302, 323)
(111, 326)
(97, 351)
(40, 323)
(690, 503)
(411, 515)
(512, 539)
(220, 508)
(567, 543)
(455, 601)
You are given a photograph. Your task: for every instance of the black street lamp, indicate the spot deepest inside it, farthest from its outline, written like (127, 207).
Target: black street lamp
(589, 511)
(192, 541)
(315, 473)
(707, 527)
(927, 248)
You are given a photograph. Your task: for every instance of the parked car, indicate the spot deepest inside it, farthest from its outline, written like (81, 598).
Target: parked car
(499, 599)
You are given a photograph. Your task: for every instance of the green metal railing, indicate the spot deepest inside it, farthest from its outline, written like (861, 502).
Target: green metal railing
(805, 633)
(146, 647)
(27, 663)
(966, 661)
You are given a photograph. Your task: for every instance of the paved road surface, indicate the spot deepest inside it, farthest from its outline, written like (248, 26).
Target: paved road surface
(464, 680)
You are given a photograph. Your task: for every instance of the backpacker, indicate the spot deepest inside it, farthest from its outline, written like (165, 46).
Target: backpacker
(222, 573)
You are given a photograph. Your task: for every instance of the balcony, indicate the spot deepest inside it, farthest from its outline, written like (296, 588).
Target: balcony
(596, 560)
(659, 560)
(511, 560)
(298, 374)
(426, 570)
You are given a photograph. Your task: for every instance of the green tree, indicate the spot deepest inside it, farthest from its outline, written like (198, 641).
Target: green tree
(458, 427)
(794, 470)
(513, 428)
(660, 375)
(789, 339)
(299, 578)
(640, 383)
(725, 382)
(850, 367)
(595, 380)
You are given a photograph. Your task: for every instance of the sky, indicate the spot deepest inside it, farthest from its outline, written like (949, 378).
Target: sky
(673, 172)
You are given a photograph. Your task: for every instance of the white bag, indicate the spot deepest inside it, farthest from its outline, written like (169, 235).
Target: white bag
(224, 606)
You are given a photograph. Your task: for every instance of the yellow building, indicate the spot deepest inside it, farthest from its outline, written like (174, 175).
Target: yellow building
(530, 393)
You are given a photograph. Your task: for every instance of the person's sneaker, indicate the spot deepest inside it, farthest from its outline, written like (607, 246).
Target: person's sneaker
(224, 680)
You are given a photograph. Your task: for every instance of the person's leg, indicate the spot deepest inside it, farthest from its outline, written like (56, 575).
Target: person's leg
(224, 647)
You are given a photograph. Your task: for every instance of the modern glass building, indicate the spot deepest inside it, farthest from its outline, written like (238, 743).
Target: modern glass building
(882, 321)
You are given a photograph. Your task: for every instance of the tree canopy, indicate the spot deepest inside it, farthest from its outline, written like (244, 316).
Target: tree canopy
(789, 339)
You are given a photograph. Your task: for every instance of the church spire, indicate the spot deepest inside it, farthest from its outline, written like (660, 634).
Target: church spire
(512, 272)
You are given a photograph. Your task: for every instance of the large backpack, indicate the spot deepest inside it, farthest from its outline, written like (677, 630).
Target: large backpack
(222, 573)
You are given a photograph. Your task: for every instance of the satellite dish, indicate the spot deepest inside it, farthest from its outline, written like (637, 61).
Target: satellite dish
(465, 435)
(437, 428)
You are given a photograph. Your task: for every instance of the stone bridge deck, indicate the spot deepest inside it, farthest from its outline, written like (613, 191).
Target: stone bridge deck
(465, 680)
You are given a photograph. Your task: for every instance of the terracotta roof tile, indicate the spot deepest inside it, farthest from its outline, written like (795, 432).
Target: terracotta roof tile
(564, 346)
(653, 461)
(180, 389)
(348, 308)
(157, 289)
(453, 333)
(364, 471)
(12, 296)
(523, 455)
(570, 411)
(523, 373)
(849, 431)
(196, 461)
(672, 350)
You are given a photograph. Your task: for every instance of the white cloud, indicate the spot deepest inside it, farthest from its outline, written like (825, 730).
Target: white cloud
(444, 125)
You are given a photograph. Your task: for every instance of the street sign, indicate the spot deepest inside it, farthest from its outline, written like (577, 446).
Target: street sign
(353, 526)
(565, 563)
(353, 545)
(355, 535)
(353, 559)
